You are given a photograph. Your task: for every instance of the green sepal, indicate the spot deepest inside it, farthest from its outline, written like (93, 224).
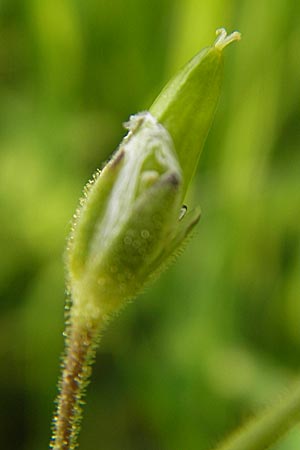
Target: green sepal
(128, 262)
(177, 244)
(89, 213)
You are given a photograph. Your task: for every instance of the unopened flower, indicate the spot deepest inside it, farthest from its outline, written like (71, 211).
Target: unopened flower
(130, 220)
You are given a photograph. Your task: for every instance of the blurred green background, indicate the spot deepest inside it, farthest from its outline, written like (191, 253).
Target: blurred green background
(218, 336)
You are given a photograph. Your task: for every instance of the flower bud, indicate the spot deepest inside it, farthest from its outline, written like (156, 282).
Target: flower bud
(130, 222)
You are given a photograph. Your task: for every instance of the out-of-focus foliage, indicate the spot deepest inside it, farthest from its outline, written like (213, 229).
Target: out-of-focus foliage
(219, 335)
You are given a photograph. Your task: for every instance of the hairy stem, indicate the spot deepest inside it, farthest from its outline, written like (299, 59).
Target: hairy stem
(76, 370)
(265, 429)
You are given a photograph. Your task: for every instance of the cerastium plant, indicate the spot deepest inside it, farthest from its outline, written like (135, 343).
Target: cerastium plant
(130, 221)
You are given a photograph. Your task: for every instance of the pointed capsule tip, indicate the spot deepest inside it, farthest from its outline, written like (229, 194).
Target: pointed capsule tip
(223, 39)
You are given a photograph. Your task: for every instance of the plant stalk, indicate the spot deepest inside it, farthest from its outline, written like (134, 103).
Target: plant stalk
(80, 344)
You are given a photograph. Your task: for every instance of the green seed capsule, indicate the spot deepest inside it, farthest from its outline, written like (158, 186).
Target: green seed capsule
(187, 104)
(130, 221)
